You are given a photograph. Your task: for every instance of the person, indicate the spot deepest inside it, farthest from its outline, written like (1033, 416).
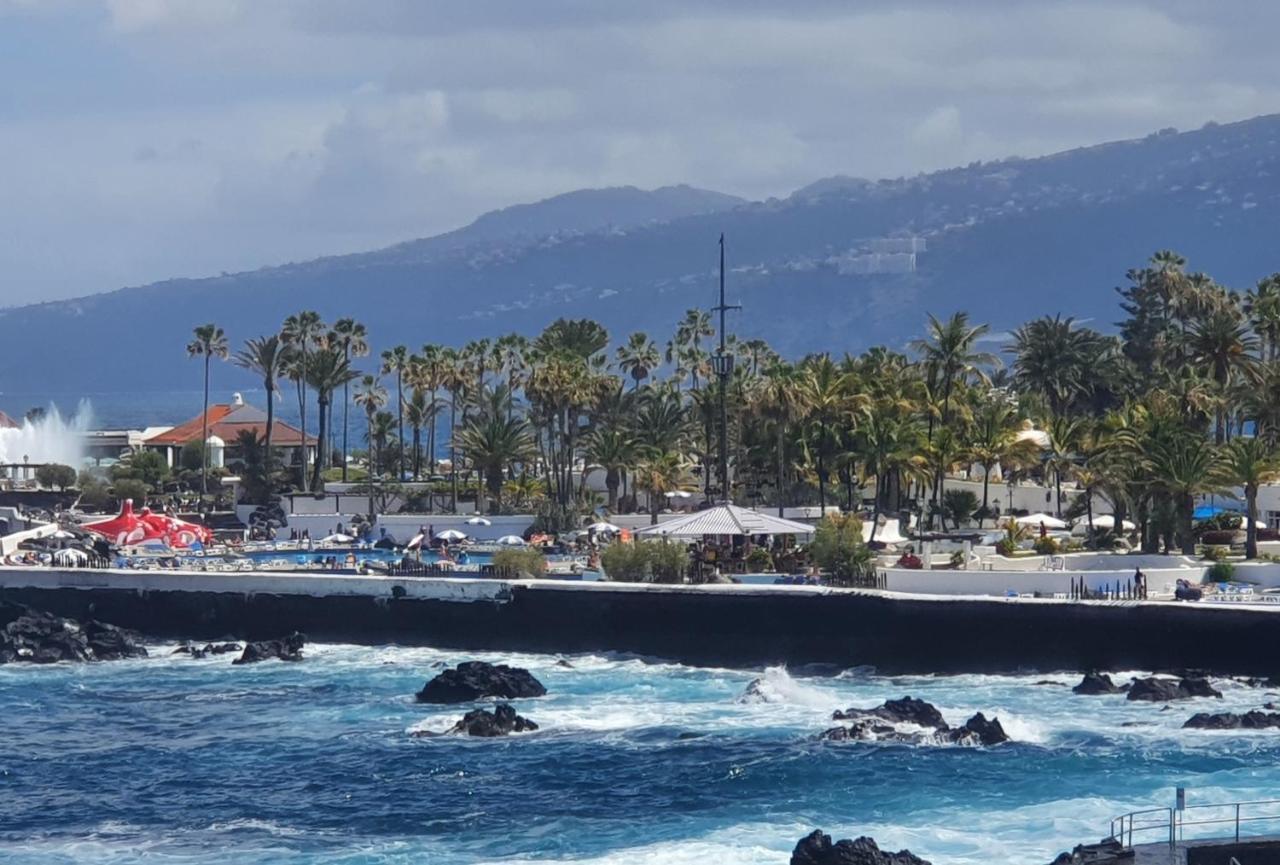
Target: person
(1139, 583)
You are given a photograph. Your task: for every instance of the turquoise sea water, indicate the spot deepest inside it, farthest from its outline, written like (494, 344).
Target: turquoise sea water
(196, 761)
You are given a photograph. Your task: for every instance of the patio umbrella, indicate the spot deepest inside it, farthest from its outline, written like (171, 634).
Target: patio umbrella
(1047, 520)
(416, 541)
(1103, 521)
(70, 555)
(604, 527)
(511, 541)
(451, 535)
(477, 521)
(337, 538)
(62, 534)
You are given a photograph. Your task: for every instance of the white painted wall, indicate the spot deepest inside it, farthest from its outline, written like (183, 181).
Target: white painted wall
(999, 583)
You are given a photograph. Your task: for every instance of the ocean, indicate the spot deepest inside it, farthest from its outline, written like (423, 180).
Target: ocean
(174, 760)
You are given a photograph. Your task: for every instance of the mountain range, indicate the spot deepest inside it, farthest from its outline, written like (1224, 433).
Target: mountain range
(841, 264)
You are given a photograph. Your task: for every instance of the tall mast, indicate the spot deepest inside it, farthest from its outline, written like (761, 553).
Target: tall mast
(723, 363)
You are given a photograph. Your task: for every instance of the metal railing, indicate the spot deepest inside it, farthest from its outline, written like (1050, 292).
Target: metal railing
(1203, 822)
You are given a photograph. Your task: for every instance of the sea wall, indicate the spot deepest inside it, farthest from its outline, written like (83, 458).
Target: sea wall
(999, 583)
(709, 625)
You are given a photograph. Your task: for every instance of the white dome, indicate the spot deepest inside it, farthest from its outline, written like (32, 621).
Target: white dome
(214, 441)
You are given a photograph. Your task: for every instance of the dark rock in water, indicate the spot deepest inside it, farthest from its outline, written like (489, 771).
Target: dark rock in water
(1048, 684)
(286, 649)
(755, 693)
(475, 680)
(1158, 690)
(563, 663)
(1253, 720)
(1261, 682)
(877, 725)
(817, 849)
(1096, 683)
(37, 637)
(908, 710)
(980, 731)
(502, 721)
(207, 649)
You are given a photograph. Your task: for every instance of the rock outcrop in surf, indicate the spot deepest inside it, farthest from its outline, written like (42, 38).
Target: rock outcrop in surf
(32, 636)
(286, 649)
(817, 848)
(207, 649)
(477, 680)
(1096, 683)
(922, 721)
(1251, 720)
(1157, 690)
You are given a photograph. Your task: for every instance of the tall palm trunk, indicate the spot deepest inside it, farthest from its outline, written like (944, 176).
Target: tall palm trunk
(986, 484)
(431, 435)
(1186, 508)
(302, 416)
(322, 403)
(271, 416)
(204, 435)
(346, 404)
(781, 473)
(400, 416)
(453, 451)
(1251, 514)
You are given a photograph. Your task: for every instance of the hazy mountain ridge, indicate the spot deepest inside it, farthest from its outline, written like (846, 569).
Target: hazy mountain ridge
(821, 269)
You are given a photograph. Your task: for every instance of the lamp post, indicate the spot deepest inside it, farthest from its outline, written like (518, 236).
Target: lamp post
(722, 365)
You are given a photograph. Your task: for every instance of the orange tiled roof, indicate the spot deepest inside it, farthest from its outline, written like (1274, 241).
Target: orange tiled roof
(226, 422)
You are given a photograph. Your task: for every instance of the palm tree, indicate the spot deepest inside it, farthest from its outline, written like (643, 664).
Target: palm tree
(418, 412)
(396, 360)
(327, 371)
(351, 336)
(1222, 342)
(265, 355)
(1251, 462)
(994, 441)
(382, 426)
(301, 333)
(493, 440)
(613, 449)
(454, 379)
(658, 474)
(209, 342)
(371, 396)
(1262, 306)
(825, 391)
(638, 357)
(780, 399)
(1065, 435)
(1057, 360)
(1184, 466)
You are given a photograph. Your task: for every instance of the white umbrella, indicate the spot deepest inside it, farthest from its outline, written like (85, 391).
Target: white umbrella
(603, 527)
(1103, 521)
(1035, 520)
(477, 521)
(337, 538)
(416, 541)
(1257, 524)
(511, 541)
(62, 534)
(679, 494)
(70, 555)
(451, 535)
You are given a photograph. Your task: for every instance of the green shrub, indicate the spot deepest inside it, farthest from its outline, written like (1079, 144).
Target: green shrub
(522, 563)
(645, 561)
(131, 488)
(1220, 572)
(839, 551)
(1014, 535)
(1215, 554)
(55, 475)
(760, 560)
(957, 559)
(1046, 546)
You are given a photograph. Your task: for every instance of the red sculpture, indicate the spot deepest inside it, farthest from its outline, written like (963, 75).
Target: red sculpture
(130, 528)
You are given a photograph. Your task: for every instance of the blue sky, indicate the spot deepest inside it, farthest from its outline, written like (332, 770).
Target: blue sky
(143, 139)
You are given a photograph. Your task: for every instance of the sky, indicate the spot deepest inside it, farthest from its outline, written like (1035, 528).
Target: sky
(146, 139)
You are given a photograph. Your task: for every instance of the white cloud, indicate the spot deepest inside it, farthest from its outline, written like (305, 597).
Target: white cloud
(165, 137)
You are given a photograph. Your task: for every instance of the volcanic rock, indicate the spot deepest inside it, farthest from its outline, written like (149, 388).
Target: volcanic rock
(817, 849)
(1252, 720)
(1096, 683)
(980, 731)
(475, 680)
(42, 638)
(1158, 690)
(286, 649)
(908, 710)
(208, 649)
(879, 725)
(502, 721)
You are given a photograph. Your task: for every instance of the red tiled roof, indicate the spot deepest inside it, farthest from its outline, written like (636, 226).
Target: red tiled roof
(226, 422)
